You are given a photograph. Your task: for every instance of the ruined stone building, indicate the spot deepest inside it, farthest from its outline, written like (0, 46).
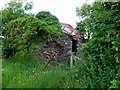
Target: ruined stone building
(60, 48)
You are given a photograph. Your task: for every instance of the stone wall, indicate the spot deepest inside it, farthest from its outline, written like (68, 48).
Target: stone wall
(58, 49)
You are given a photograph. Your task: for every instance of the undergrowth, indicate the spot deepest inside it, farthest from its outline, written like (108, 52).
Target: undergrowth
(26, 72)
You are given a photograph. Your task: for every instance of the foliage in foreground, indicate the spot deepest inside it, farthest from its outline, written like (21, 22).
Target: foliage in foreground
(102, 50)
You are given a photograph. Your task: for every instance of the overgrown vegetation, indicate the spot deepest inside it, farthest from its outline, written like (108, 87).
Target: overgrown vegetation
(101, 52)
(97, 62)
(26, 72)
(23, 32)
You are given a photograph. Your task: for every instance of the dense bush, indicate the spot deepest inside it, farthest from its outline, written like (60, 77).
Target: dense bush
(51, 20)
(20, 34)
(102, 51)
(22, 30)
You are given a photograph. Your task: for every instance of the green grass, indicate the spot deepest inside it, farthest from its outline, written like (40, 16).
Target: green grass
(0, 73)
(26, 72)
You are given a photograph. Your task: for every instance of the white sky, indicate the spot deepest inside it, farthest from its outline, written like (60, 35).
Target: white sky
(64, 10)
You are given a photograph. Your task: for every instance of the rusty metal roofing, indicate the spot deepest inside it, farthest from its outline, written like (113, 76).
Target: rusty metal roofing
(67, 28)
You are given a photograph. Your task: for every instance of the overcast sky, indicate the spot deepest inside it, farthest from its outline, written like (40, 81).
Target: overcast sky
(64, 10)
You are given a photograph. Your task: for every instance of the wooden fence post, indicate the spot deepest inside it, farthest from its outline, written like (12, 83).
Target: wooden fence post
(71, 60)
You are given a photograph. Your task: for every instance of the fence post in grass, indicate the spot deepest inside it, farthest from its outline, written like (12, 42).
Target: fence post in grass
(71, 60)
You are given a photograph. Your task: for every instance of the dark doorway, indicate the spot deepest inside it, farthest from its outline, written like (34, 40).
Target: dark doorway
(74, 45)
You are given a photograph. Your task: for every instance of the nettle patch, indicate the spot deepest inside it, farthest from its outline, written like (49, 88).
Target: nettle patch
(23, 33)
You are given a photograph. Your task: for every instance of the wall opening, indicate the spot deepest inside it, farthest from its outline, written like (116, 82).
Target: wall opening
(74, 45)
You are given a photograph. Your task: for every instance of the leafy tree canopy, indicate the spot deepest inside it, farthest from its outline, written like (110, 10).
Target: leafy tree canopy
(51, 20)
(102, 19)
(14, 9)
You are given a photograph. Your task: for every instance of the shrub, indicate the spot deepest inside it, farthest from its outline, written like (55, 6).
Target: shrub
(22, 34)
(102, 51)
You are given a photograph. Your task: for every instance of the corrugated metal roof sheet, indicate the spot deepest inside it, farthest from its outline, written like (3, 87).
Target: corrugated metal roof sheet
(67, 28)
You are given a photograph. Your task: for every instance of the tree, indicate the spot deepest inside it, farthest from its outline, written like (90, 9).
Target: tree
(13, 10)
(80, 27)
(52, 21)
(102, 49)
(48, 17)
(84, 12)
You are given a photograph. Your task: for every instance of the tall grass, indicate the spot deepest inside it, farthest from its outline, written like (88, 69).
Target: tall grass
(26, 72)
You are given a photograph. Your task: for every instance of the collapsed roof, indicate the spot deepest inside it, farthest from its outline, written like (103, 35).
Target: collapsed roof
(68, 29)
